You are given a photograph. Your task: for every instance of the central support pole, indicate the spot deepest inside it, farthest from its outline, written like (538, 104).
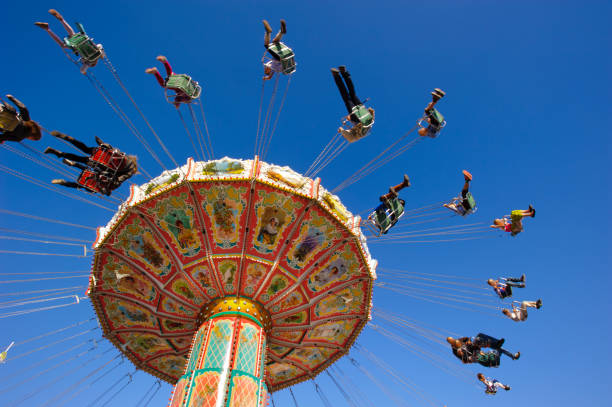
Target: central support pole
(226, 364)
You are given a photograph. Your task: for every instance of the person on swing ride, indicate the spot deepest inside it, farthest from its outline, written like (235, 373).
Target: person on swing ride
(78, 42)
(466, 204)
(390, 209)
(435, 120)
(282, 57)
(515, 225)
(360, 117)
(185, 89)
(103, 170)
(17, 126)
(469, 350)
(504, 289)
(520, 313)
(491, 384)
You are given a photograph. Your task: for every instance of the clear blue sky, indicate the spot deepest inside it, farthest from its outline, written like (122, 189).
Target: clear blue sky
(528, 112)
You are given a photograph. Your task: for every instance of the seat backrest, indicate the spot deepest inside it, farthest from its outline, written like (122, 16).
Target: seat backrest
(185, 84)
(470, 200)
(435, 117)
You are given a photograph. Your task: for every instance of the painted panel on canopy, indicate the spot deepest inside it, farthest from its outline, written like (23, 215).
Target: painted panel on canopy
(278, 282)
(294, 336)
(119, 277)
(346, 264)
(299, 318)
(271, 220)
(294, 299)
(348, 301)
(278, 350)
(174, 214)
(224, 209)
(223, 168)
(144, 345)
(227, 273)
(202, 274)
(181, 343)
(168, 305)
(311, 357)
(333, 332)
(253, 275)
(173, 326)
(318, 232)
(172, 365)
(135, 239)
(185, 289)
(278, 373)
(122, 314)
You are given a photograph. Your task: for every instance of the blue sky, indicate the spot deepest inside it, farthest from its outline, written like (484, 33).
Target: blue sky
(528, 114)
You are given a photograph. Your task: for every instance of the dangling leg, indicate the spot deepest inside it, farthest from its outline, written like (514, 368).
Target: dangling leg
(78, 144)
(74, 164)
(45, 26)
(159, 78)
(267, 34)
(343, 92)
(69, 156)
(513, 356)
(349, 84)
(281, 32)
(23, 110)
(164, 61)
(68, 184)
(57, 15)
(405, 183)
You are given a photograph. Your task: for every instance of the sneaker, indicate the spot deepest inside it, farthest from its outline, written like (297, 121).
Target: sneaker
(267, 26)
(44, 26)
(507, 388)
(342, 68)
(522, 279)
(151, 70)
(539, 304)
(99, 141)
(467, 175)
(161, 58)
(283, 26)
(57, 181)
(517, 355)
(532, 210)
(335, 70)
(68, 162)
(440, 92)
(406, 180)
(50, 150)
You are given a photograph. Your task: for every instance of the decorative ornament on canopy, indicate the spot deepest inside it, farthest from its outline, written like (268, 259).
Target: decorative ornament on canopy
(207, 232)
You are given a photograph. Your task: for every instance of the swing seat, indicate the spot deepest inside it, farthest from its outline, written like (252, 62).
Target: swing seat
(84, 48)
(108, 160)
(435, 118)
(469, 198)
(385, 216)
(182, 84)
(363, 115)
(8, 120)
(89, 180)
(285, 55)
